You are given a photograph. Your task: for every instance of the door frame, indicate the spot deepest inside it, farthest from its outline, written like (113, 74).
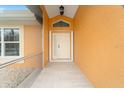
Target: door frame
(71, 46)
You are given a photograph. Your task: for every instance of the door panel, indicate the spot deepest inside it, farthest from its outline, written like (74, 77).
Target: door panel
(61, 46)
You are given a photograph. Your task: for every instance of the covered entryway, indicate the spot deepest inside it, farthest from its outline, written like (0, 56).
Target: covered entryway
(60, 71)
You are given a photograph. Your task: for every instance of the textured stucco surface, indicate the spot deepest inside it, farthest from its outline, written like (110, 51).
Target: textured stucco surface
(99, 44)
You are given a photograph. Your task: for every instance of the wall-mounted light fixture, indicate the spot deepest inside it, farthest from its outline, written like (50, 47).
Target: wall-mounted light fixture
(61, 8)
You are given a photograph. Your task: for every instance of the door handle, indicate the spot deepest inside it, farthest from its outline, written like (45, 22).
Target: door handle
(58, 45)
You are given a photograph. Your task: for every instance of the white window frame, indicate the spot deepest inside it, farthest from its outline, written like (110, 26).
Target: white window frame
(21, 42)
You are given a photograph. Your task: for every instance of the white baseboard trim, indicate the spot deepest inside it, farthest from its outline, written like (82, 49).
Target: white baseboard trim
(30, 79)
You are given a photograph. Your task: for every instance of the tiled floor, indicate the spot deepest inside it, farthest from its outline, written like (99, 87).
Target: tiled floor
(61, 75)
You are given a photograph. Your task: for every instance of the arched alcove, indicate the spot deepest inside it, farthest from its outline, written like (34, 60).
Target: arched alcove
(61, 23)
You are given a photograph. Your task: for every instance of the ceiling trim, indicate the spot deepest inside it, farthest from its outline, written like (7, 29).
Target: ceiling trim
(37, 12)
(18, 17)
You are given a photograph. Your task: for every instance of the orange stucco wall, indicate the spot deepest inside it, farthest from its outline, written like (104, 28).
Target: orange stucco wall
(46, 34)
(32, 39)
(99, 44)
(32, 45)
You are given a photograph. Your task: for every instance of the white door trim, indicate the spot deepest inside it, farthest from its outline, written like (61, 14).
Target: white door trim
(50, 50)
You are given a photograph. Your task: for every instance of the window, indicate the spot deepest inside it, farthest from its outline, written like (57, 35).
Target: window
(61, 24)
(10, 41)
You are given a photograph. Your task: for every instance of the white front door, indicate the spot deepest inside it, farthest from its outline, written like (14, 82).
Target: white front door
(61, 46)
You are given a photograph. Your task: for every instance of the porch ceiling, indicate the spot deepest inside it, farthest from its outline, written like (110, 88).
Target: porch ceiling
(69, 10)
